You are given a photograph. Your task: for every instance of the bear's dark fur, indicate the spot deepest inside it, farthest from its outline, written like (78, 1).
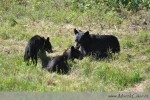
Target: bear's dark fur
(34, 45)
(44, 58)
(59, 64)
(98, 45)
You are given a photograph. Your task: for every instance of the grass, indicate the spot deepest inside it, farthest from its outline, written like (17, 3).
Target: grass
(18, 23)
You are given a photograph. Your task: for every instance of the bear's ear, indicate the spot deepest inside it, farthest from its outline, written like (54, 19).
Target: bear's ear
(86, 33)
(48, 39)
(75, 31)
(72, 48)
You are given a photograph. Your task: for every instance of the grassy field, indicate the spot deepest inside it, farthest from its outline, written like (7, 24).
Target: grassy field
(22, 19)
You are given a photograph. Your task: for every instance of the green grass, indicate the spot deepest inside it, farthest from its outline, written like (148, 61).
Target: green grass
(20, 20)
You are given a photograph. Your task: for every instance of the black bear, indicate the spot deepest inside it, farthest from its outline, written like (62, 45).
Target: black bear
(34, 45)
(97, 45)
(59, 64)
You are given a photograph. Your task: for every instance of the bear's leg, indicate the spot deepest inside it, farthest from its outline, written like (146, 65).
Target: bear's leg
(34, 60)
(35, 57)
(65, 67)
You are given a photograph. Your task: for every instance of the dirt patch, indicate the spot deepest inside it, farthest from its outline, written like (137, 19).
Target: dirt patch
(139, 87)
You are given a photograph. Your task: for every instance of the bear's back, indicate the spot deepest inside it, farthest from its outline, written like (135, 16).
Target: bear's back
(57, 64)
(36, 42)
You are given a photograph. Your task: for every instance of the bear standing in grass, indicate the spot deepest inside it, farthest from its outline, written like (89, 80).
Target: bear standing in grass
(35, 44)
(59, 64)
(97, 45)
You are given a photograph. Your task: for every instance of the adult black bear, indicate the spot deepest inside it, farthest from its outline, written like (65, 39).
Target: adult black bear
(59, 64)
(34, 45)
(98, 45)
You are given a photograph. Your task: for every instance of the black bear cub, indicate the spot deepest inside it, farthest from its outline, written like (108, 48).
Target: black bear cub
(59, 63)
(34, 45)
(97, 45)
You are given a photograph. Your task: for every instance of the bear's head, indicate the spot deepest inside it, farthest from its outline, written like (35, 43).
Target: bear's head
(48, 46)
(73, 53)
(82, 38)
